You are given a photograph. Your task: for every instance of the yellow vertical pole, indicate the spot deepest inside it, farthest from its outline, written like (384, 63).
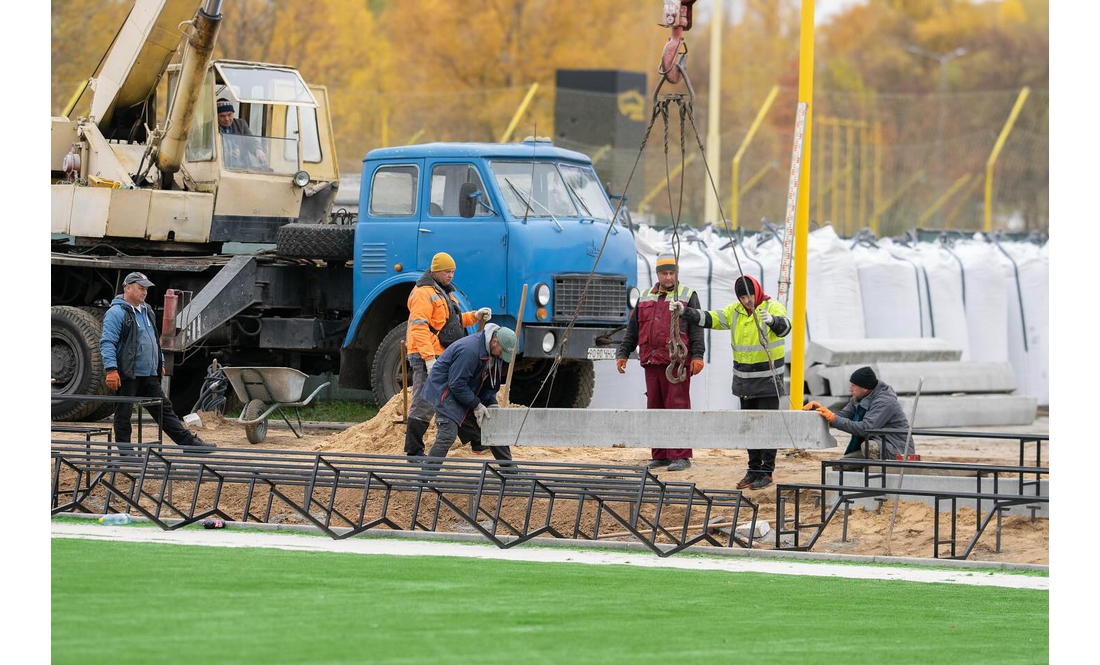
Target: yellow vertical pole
(834, 200)
(849, 151)
(876, 201)
(988, 225)
(802, 216)
(864, 170)
(736, 167)
(519, 112)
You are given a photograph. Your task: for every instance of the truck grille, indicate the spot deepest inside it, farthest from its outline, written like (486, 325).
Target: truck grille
(605, 300)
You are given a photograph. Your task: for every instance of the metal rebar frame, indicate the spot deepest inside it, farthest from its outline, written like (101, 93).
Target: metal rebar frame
(1028, 494)
(344, 494)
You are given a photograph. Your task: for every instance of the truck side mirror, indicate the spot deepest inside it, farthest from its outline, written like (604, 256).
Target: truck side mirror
(468, 195)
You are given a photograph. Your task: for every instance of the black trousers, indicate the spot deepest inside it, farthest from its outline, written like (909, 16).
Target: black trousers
(761, 460)
(148, 386)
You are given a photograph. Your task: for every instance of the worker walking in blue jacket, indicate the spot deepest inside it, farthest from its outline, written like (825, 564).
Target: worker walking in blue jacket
(134, 363)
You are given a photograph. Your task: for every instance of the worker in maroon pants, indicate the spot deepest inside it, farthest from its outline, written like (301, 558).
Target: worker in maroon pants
(648, 331)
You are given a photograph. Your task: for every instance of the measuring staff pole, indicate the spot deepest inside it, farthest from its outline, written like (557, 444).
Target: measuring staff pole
(506, 391)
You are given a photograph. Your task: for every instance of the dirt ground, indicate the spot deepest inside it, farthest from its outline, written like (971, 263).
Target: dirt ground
(1022, 541)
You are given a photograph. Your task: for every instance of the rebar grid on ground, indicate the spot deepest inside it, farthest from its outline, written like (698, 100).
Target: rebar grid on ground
(343, 494)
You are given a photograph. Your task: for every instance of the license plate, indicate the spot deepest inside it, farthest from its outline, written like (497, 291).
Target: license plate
(601, 352)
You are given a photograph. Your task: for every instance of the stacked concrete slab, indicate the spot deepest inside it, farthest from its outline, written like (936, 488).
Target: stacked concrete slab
(955, 393)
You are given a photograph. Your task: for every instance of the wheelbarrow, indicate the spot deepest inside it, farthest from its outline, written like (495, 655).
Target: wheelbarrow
(264, 390)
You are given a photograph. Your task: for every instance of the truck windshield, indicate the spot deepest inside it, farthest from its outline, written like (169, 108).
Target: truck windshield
(584, 185)
(533, 189)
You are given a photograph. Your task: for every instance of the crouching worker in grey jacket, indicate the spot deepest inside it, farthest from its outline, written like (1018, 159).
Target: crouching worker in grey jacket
(874, 406)
(462, 386)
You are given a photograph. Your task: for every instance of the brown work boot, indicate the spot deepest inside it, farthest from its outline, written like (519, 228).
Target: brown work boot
(746, 481)
(761, 482)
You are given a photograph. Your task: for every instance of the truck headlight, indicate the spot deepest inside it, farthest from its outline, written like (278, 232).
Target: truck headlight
(542, 295)
(548, 341)
(632, 295)
(301, 178)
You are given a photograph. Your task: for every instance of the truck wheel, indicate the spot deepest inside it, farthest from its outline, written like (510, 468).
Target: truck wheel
(258, 432)
(574, 385)
(316, 241)
(103, 410)
(386, 373)
(571, 389)
(75, 364)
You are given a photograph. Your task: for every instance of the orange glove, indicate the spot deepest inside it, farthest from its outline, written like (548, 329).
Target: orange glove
(826, 414)
(114, 382)
(696, 366)
(620, 364)
(812, 406)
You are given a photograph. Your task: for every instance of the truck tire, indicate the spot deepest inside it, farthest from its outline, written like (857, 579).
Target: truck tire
(571, 388)
(386, 372)
(103, 410)
(316, 241)
(574, 385)
(75, 364)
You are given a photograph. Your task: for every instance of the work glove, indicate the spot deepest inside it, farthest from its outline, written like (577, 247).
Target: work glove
(812, 406)
(826, 414)
(696, 366)
(481, 414)
(676, 308)
(485, 313)
(620, 364)
(766, 318)
(428, 363)
(114, 381)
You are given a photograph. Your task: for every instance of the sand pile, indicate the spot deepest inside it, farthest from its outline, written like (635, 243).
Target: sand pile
(380, 435)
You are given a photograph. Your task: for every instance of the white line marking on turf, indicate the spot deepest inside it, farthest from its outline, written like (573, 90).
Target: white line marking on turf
(223, 538)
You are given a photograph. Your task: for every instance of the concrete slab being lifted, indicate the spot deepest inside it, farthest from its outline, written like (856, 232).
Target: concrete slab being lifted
(658, 428)
(834, 352)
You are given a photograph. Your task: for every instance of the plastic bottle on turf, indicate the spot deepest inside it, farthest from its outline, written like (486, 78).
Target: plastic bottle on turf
(116, 518)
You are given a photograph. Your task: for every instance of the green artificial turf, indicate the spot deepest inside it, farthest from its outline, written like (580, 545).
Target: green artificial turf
(149, 603)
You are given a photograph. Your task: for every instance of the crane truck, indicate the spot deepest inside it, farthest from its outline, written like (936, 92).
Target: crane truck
(255, 267)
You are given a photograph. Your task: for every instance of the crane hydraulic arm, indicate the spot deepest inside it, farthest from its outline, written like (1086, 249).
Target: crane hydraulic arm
(136, 61)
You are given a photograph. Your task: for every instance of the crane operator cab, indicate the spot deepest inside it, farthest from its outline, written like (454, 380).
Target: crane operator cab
(261, 141)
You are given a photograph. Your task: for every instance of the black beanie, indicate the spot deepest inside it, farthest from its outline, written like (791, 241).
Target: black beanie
(864, 377)
(224, 105)
(743, 287)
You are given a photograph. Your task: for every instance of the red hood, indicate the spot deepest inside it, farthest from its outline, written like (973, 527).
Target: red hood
(756, 288)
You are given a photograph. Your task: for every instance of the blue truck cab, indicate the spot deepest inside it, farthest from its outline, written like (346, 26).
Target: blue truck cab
(510, 214)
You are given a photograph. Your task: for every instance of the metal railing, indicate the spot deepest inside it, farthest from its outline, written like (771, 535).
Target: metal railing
(875, 487)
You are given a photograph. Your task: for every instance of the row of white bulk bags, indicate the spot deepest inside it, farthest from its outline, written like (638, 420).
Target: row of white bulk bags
(965, 292)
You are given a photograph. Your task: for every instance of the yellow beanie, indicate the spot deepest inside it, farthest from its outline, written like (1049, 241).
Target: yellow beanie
(442, 261)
